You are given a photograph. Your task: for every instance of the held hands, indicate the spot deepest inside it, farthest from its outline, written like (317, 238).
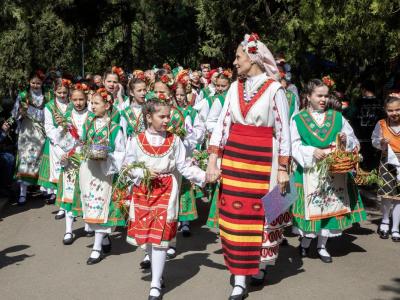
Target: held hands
(384, 143)
(283, 180)
(212, 173)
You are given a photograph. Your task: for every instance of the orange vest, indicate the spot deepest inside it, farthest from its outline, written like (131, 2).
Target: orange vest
(388, 133)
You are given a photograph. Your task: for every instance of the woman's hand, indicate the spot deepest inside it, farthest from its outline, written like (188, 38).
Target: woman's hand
(212, 173)
(319, 154)
(283, 180)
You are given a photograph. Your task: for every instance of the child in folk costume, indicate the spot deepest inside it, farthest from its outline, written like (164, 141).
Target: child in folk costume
(252, 134)
(322, 212)
(105, 142)
(29, 112)
(132, 117)
(386, 137)
(68, 193)
(54, 126)
(222, 85)
(112, 86)
(154, 210)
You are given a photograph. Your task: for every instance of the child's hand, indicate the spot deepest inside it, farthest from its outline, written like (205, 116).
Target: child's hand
(343, 138)
(6, 127)
(384, 143)
(319, 154)
(64, 160)
(59, 120)
(153, 174)
(22, 111)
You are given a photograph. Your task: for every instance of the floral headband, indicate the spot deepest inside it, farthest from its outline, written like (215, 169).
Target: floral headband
(66, 82)
(250, 43)
(139, 74)
(119, 71)
(227, 73)
(180, 78)
(329, 82)
(107, 97)
(167, 80)
(82, 87)
(167, 67)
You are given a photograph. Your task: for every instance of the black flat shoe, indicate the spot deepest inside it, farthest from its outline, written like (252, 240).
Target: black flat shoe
(383, 234)
(243, 295)
(69, 240)
(107, 248)
(170, 255)
(59, 216)
(51, 200)
(395, 239)
(21, 201)
(303, 251)
(186, 230)
(89, 233)
(145, 264)
(93, 261)
(325, 259)
(156, 297)
(258, 281)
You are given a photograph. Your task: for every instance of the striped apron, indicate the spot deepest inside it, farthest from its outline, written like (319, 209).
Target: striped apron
(246, 169)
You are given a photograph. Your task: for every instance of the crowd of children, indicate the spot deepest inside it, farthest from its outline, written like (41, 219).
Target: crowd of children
(138, 150)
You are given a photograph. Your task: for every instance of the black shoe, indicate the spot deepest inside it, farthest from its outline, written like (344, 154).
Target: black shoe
(145, 264)
(69, 240)
(325, 259)
(383, 234)
(156, 297)
(185, 230)
(89, 233)
(304, 251)
(395, 239)
(59, 216)
(106, 248)
(21, 200)
(243, 295)
(51, 199)
(92, 261)
(171, 256)
(258, 281)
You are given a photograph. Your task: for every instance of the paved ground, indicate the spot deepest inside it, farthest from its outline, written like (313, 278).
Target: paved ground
(35, 265)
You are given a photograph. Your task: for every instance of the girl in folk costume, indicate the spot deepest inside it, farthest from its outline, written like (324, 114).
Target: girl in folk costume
(205, 74)
(252, 134)
(68, 193)
(222, 85)
(132, 117)
(321, 212)
(54, 126)
(29, 111)
(207, 91)
(112, 86)
(386, 137)
(105, 142)
(154, 208)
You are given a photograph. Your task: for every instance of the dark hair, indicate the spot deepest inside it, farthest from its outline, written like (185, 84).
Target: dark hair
(333, 103)
(222, 76)
(309, 89)
(391, 99)
(160, 72)
(150, 107)
(80, 91)
(369, 86)
(59, 82)
(132, 82)
(110, 72)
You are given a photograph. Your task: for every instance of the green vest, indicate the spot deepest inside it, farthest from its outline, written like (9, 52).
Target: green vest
(291, 97)
(52, 107)
(135, 125)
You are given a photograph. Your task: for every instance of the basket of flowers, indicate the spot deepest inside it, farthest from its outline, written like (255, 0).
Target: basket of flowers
(98, 151)
(341, 161)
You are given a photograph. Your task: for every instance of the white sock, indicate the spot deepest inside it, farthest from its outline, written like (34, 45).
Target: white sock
(98, 238)
(60, 212)
(148, 250)
(322, 245)
(386, 205)
(22, 190)
(396, 218)
(87, 228)
(239, 280)
(158, 257)
(69, 220)
(260, 274)
(305, 242)
(171, 251)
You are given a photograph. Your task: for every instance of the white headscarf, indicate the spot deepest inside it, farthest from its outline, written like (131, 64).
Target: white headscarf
(260, 54)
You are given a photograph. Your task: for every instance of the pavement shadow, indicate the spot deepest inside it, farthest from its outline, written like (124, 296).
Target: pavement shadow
(393, 288)
(179, 270)
(343, 245)
(6, 260)
(198, 241)
(356, 229)
(34, 201)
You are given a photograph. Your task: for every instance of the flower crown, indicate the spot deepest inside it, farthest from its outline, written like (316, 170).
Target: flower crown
(167, 67)
(250, 43)
(66, 82)
(167, 80)
(139, 74)
(227, 73)
(180, 78)
(82, 87)
(107, 97)
(329, 82)
(119, 71)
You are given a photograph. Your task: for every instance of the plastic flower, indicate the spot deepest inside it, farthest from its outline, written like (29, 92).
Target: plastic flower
(328, 81)
(105, 95)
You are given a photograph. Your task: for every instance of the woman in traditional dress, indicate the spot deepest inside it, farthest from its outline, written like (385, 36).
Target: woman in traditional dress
(326, 205)
(154, 209)
(386, 137)
(252, 134)
(29, 112)
(105, 142)
(68, 192)
(55, 128)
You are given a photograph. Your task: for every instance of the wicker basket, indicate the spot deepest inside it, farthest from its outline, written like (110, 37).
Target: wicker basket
(361, 177)
(343, 161)
(98, 151)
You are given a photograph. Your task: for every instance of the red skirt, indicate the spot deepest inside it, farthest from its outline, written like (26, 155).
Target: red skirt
(246, 169)
(150, 223)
